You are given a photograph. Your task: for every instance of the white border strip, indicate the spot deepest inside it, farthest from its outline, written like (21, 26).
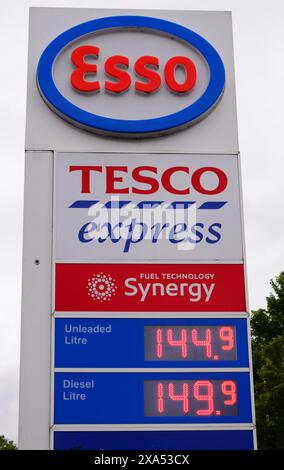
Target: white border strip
(150, 261)
(152, 427)
(174, 315)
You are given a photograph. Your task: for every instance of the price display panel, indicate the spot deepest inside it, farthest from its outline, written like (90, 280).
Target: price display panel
(190, 342)
(164, 397)
(155, 342)
(191, 397)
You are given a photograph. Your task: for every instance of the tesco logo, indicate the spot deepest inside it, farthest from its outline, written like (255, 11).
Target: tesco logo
(146, 180)
(78, 78)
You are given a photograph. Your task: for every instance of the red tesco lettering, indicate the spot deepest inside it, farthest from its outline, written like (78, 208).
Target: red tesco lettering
(146, 180)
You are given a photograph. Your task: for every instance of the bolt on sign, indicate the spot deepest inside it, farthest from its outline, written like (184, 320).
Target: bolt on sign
(135, 314)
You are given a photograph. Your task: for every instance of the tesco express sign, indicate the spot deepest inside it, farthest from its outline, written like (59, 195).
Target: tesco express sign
(92, 74)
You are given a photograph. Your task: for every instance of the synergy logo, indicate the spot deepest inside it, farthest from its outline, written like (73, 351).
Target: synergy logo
(85, 78)
(101, 287)
(194, 291)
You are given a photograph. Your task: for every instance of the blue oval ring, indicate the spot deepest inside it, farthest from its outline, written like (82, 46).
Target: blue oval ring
(131, 128)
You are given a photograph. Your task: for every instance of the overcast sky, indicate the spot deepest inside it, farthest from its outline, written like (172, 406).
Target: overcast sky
(259, 50)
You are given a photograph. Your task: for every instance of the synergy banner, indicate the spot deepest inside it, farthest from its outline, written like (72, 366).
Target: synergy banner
(150, 287)
(156, 207)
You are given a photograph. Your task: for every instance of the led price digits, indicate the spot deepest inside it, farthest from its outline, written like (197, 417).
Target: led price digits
(190, 398)
(206, 343)
(195, 343)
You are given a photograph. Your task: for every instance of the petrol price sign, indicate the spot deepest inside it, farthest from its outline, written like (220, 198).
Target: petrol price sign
(134, 269)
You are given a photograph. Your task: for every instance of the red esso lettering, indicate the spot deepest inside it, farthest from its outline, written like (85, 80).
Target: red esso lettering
(145, 179)
(84, 68)
(116, 68)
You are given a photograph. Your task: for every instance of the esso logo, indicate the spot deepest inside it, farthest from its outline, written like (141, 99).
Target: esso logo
(115, 67)
(131, 76)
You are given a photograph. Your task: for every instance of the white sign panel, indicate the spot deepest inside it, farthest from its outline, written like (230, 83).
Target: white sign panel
(133, 218)
(165, 75)
(156, 207)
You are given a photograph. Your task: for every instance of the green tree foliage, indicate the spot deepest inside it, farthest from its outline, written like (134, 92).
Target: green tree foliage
(268, 359)
(7, 445)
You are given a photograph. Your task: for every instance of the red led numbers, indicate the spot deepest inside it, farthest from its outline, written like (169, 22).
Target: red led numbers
(182, 342)
(229, 389)
(227, 335)
(196, 343)
(184, 397)
(203, 391)
(159, 341)
(180, 397)
(193, 397)
(161, 402)
(206, 343)
(146, 68)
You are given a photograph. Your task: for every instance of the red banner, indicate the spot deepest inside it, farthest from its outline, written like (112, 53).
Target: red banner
(150, 287)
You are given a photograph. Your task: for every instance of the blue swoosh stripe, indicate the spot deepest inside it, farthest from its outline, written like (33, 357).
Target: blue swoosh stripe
(212, 205)
(82, 204)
